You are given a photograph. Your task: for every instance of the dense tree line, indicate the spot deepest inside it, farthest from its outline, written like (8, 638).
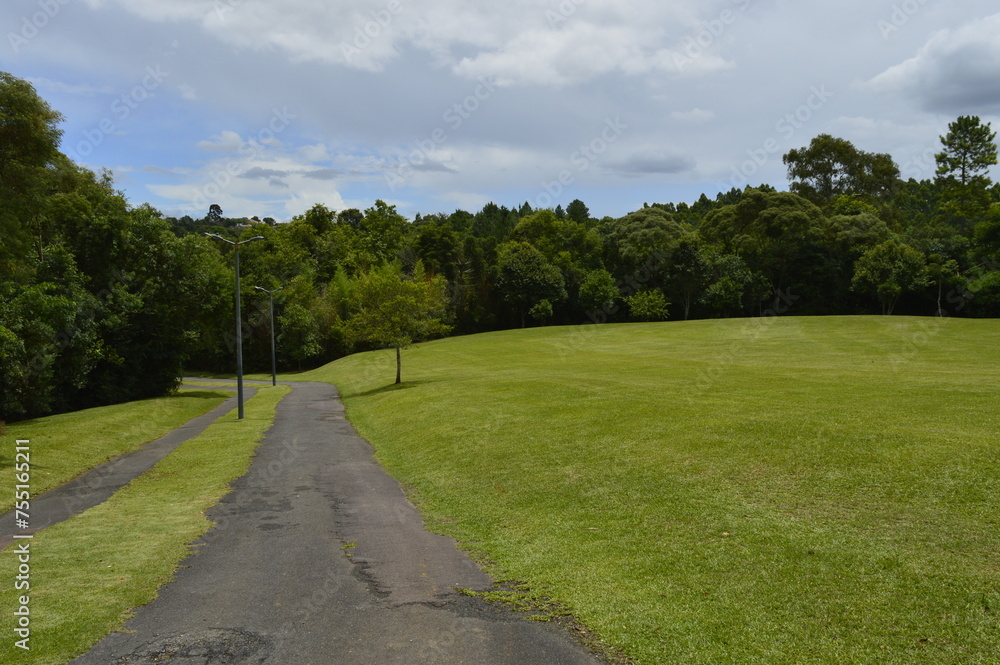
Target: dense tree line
(102, 301)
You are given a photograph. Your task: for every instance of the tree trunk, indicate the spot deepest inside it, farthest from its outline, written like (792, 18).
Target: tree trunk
(399, 366)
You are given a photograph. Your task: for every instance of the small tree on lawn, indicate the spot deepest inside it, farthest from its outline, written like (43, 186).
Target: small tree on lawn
(648, 305)
(888, 271)
(391, 310)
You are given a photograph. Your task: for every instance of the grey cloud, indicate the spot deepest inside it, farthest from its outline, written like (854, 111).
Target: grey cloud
(654, 162)
(323, 174)
(433, 167)
(258, 173)
(954, 72)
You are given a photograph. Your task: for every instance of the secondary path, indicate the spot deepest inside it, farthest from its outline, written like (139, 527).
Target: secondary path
(97, 485)
(318, 558)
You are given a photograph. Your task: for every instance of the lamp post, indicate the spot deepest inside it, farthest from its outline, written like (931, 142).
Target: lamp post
(239, 320)
(270, 302)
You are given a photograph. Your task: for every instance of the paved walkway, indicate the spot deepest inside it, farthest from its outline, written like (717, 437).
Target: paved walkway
(318, 558)
(97, 485)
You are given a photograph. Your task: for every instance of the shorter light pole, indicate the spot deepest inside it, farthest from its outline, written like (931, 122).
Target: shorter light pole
(239, 320)
(270, 302)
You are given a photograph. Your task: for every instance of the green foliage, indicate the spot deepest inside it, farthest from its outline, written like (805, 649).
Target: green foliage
(970, 149)
(890, 270)
(29, 146)
(541, 311)
(578, 211)
(384, 232)
(690, 271)
(101, 301)
(391, 310)
(770, 230)
(988, 231)
(524, 277)
(641, 236)
(598, 292)
(649, 305)
(732, 284)
(830, 167)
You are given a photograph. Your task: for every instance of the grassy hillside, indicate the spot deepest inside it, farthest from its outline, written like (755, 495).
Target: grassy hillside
(821, 490)
(65, 445)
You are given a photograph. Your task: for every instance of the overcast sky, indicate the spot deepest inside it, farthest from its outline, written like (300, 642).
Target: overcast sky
(270, 107)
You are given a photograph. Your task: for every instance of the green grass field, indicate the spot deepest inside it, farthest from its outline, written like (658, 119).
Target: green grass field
(66, 445)
(793, 490)
(89, 572)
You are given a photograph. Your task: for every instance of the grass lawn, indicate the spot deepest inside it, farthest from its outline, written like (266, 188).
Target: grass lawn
(89, 572)
(793, 490)
(66, 445)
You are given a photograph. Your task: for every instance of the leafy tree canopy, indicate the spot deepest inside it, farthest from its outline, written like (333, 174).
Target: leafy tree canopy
(830, 167)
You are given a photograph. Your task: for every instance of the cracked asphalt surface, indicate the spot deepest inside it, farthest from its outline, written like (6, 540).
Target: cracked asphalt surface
(318, 558)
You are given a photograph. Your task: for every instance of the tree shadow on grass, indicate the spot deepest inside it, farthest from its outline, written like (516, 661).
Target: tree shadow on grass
(206, 394)
(392, 387)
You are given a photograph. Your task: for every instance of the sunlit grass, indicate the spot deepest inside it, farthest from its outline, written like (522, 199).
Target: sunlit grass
(68, 444)
(795, 490)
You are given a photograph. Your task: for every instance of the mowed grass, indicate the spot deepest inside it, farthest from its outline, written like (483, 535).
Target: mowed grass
(66, 445)
(88, 573)
(792, 490)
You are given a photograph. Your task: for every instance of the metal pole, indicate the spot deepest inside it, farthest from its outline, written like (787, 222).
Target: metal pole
(270, 302)
(239, 321)
(239, 340)
(274, 364)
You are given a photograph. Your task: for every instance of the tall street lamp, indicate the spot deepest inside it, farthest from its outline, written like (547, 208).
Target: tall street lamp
(239, 320)
(270, 302)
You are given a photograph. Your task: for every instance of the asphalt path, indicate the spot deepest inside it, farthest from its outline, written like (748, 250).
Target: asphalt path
(318, 558)
(98, 484)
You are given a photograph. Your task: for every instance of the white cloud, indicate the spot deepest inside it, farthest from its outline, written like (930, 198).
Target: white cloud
(314, 153)
(955, 71)
(188, 92)
(688, 78)
(228, 141)
(695, 116)
(69, 88)
(520, 41)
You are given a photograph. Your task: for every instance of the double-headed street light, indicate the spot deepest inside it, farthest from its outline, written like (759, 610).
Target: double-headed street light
(270, 302)
(239, 321)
